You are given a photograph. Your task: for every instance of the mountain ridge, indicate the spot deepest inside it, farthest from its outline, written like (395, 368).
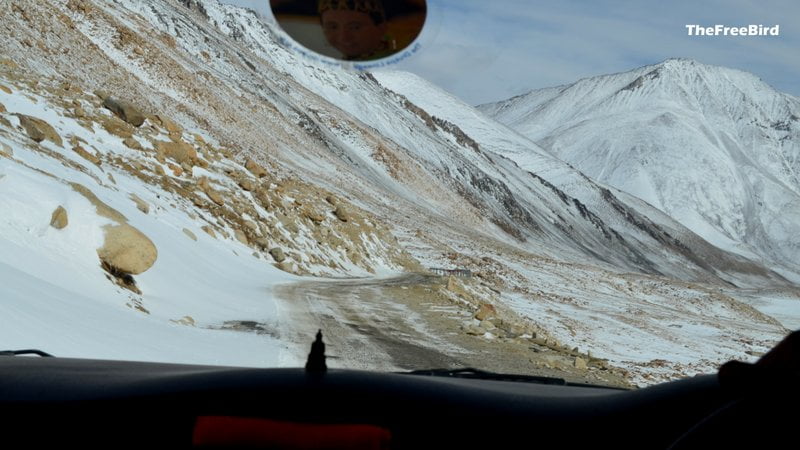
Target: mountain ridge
(732, 126)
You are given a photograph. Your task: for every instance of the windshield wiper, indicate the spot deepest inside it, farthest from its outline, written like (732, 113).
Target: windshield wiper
(469, 372)
(25, 352)
(478, 374)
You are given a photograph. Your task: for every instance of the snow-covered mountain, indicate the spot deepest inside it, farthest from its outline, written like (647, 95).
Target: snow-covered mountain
(717, 149)
(258, 167)
(434, 165)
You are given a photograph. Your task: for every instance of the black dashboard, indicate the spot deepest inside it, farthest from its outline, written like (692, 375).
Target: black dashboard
(95, 403)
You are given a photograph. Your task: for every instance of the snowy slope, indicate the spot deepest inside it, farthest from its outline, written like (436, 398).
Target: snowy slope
(715, 148)
(622, 213)
(659, 327)
(56, 297)
(420, 178)
(541, 210)
(397, 147)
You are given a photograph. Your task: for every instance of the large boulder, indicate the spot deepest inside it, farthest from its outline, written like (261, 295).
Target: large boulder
(178, 151)
(255, 168)
(124, 111)
(241, 237)
(101, 94)
(215, 197)
(117, 127)
(85, 154)
(330, 198)
(286, 266)
(59, 219)
(485, 311)
(169, 125)
(209, 231)
(277, 254)
(250, 225)
(342, 213)
(313, 215)
(127, 249)
(133, 144)
(247, 184)
(39, 130)
(142, 205)
(212, 194)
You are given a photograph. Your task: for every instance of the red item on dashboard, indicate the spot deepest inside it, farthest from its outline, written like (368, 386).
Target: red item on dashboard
(222, 431)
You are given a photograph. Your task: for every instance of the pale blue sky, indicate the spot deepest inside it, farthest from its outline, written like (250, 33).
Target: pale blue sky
(488, 50)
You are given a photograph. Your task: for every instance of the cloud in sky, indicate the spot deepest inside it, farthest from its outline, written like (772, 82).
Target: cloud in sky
(488, 50)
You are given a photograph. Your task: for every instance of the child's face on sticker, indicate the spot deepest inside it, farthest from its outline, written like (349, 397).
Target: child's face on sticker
(353, 33)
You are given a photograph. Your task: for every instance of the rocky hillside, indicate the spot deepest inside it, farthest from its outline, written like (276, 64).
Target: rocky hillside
(192, 168)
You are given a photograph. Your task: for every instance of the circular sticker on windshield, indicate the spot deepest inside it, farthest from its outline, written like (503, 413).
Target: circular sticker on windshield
(352, 30)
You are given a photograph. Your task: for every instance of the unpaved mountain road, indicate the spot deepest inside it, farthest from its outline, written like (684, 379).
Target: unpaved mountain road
(363, 328)
(400, 323)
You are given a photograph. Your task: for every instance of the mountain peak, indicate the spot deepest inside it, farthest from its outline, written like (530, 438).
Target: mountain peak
(683, 66)
(680, 62)
(709, 145)
(687, 69)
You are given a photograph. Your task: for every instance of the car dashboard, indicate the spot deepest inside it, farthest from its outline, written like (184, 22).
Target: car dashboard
(63, 401)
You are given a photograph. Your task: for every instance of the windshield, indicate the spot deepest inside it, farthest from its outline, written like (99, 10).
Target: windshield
(603, 192)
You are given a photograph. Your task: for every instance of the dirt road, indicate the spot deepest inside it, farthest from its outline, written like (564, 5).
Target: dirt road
(364, 326)
(401, 323)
